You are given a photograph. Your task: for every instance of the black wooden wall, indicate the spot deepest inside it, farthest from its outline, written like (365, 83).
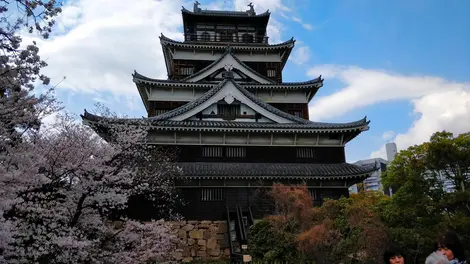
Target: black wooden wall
(258, 199)
(260, 154)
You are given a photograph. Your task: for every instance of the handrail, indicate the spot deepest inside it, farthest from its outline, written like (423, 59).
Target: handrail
(250, 214)
(241, 225)
(229, 231)
(234, 256)
(226, 38)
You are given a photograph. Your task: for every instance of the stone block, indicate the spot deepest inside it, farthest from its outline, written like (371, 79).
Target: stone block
(204, 226)
(227, 252)
(191, 241)
(220, 236)
(182, 234)
(222, 228)
(187, 260)
(211, 243)
(207, 234)
(188, 227)
(197, 234)
(201, 242)
(193, 252)
(201, 253)
(193, 222)
(214, 229)
(214, 252)
(206, 222)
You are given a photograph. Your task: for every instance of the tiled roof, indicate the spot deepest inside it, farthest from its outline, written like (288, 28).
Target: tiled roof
(310, 127)
(193, 104)
(164, 40)
(314, 83)
(273, 170)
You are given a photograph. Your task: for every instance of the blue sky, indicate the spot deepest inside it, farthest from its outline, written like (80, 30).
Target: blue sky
(393, 61)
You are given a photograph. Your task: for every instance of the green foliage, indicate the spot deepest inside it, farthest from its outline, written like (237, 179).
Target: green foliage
(421, 209)
(271, 242)
(357, 229)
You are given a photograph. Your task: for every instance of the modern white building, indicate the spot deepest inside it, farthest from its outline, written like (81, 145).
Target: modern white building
(373, 183)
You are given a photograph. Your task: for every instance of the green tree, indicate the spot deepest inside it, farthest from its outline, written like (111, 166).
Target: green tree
(421, 208)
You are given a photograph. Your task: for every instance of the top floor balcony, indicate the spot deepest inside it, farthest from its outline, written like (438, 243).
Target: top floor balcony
(226, 37)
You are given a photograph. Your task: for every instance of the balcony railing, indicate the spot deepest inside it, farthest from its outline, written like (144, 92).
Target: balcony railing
(226, 38)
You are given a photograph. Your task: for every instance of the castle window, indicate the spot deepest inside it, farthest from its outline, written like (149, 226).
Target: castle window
(296, 113)
(212, 151)
(234, 152)
(187, 70)
(271, 73)
(247, 38)
(226, 36)
(308, 153)
(205, 36)
(160, 111)
(313, 193)
(228, 110)
(212, 195)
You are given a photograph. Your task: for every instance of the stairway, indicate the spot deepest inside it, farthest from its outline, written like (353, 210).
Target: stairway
(239, 222)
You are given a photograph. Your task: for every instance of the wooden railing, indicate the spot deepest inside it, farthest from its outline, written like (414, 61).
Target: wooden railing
(225, 38)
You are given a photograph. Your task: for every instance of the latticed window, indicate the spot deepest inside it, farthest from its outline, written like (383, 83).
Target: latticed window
(212, 152)
(186, 70)
(305, 153)
(205, 36)
(226, 36)
(160, 111)
(212, 194)
(313, 193)
(234, 152)
(271, 73)
(228, 110)
(247, 38)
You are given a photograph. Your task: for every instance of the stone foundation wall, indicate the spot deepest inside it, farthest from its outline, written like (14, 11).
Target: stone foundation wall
(200, 240)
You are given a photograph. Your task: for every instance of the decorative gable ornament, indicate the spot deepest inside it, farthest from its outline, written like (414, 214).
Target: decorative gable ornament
(229, 99)
(228, 74)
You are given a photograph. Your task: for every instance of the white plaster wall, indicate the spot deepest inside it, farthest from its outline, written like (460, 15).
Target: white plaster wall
(229, 60)
(178, 94)
(230, 88)
(185, 54)
(279, 96)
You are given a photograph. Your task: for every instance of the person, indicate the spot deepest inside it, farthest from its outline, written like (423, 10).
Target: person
(451, 247)
(393, 255)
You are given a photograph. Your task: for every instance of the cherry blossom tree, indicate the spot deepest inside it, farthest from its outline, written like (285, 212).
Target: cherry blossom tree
(60, 186)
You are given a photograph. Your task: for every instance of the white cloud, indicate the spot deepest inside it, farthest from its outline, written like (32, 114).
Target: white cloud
(387, 135)
(101, 42)
(307, 26)
(301, 55)
(438, 104)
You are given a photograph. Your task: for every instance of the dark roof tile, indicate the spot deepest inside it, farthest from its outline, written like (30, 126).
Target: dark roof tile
(273, 170)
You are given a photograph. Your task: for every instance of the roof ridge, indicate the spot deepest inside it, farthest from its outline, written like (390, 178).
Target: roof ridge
(235, 44)
(137, 75)
(222, 12)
